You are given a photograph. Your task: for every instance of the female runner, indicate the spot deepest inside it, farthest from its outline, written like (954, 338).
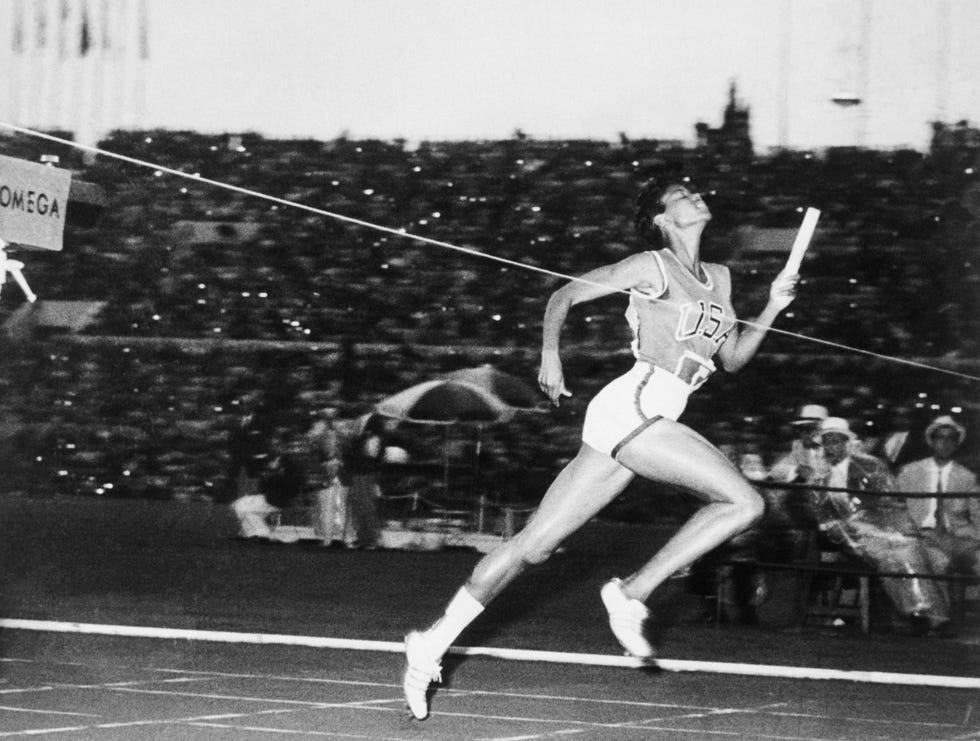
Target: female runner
(681, 315)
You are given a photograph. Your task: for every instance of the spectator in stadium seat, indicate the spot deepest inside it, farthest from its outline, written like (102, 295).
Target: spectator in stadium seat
(805, 454)
(874, 526)
(897, 443)
(949, 526)
(804, 462)
(250, 452)
(285, 481)
(281, 484)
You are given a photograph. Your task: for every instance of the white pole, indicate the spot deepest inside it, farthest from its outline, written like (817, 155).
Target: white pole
(78, 72)
(10, 59)
(59, 41)
(28, 76)
(129, 39)
(864, 74)
(117, 63)
(68, 62)
(103, 66)
(92, 67)
(47, 62)
(142, 62)
(943, 52)
(785, 59)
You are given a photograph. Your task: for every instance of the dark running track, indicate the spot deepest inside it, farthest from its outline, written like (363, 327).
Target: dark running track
(171, 565)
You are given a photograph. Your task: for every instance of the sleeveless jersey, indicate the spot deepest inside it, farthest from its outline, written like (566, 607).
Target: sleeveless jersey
(682, 327)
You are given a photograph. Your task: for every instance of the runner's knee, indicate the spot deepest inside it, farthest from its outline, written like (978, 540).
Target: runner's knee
(533, 554)
(749, 505)
(745, 505)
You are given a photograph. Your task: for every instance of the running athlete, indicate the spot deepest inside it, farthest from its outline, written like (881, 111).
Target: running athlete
(681, 315)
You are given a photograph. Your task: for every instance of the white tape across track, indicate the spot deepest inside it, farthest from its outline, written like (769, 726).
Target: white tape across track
(511, 654)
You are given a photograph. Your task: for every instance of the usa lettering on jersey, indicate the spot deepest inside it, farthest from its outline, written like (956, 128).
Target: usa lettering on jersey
(704, 318)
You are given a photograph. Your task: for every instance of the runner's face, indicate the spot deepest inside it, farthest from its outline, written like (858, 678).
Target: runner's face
(683, 206)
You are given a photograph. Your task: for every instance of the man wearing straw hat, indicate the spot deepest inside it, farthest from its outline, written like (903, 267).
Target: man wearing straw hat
(948, 525)
(856, 513)
(805, 455)
(802, 463)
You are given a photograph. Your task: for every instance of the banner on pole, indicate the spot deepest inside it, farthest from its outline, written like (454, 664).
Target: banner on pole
(33, 203)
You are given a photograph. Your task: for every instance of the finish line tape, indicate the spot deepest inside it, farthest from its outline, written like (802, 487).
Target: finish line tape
(509, 654)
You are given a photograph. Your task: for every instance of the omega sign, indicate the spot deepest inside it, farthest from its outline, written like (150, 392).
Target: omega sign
(30, 201)
(33, 199)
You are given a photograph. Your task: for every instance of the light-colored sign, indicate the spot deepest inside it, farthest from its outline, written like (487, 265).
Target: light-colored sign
(33, 203)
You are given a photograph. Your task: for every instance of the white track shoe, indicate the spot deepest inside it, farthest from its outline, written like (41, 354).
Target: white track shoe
(627, 618)
(420, 670)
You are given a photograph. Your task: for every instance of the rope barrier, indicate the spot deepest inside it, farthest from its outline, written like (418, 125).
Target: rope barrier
(845, 571)
(867, 492)
(485, 504)
(402, 233)
(794, 486)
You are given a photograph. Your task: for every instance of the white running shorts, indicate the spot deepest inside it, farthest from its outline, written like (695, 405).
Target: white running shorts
(629, 404)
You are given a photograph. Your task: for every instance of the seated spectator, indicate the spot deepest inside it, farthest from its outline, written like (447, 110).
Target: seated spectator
(752, 466)
(947, 526)
(895, 444)
(281, 484)
(874, 527)
(801, 464)
(284, 484)
(805, 455)
(249, 448)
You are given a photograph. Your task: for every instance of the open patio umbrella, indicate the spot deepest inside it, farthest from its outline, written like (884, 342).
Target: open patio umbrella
(510, 389)
(513, 391)
(447, 402)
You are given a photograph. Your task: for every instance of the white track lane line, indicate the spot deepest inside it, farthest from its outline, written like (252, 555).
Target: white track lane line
(12, 709)
(704, 709)
(375, 705)
(677, 665)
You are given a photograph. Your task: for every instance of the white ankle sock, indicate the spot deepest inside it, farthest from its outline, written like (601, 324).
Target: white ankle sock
(462, 610)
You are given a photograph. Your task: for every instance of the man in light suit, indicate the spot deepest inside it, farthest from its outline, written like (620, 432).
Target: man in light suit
(874, 527)
(948, 525)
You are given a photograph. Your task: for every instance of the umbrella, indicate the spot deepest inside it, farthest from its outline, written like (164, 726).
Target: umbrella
(512, 390)
(509, 388)
(446, 402)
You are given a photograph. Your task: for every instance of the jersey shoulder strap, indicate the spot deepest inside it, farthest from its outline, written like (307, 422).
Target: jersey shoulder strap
(663, 274)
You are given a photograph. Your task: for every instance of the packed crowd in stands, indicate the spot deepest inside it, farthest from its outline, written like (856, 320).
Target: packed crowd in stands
(327, 309)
